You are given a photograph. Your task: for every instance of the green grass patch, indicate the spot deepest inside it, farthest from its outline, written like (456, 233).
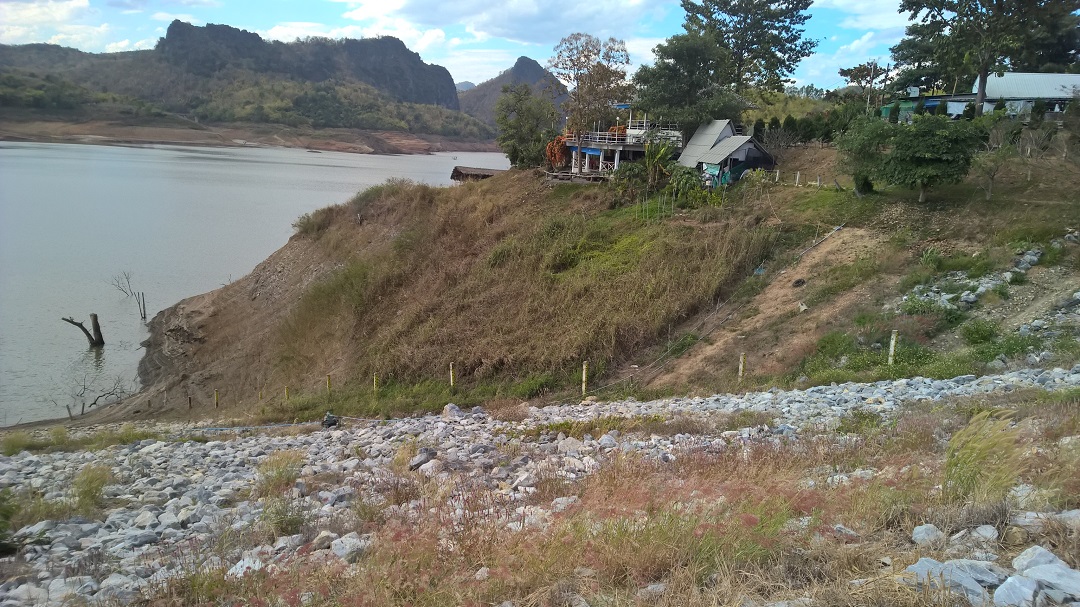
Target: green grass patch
(841, 278)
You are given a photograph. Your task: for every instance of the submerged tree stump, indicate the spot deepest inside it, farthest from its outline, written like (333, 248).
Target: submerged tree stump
(95, 338)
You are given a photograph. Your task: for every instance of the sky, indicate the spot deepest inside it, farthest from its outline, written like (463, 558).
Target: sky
(474, 39)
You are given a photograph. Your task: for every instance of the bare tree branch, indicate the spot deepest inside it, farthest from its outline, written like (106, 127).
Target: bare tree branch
(95, 339)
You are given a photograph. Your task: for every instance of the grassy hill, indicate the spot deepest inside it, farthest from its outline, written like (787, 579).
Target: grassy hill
(517, 281)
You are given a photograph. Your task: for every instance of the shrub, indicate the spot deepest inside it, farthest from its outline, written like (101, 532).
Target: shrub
(58, 435)
(314, 222)
(278, 473)
(982, 461)
(979, 331)
(284, 516)
(859, 421)
(87, 487)
(15, 442)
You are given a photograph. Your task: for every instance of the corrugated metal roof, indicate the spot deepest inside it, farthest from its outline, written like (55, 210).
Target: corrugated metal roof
(1018, 85)
(703, 141)
(722, 150)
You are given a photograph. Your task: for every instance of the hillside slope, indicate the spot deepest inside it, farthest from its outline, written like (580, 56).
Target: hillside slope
(512, 279)
(479, 101)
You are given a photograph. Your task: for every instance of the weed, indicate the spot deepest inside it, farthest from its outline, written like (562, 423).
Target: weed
(859, 421)
(315, 222)
(58, 436)
(841, 278)
(979, 331)
(278, 473)
(284, 516)
(982, 461)
(16, 442)
(88, 485)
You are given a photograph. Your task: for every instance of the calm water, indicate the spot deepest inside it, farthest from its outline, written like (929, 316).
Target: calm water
(181, 220)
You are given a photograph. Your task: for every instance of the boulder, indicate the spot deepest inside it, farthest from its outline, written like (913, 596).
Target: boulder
(350, 547)
(927, 536)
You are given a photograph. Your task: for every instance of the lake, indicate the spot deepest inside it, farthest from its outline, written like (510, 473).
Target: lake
(179, 220)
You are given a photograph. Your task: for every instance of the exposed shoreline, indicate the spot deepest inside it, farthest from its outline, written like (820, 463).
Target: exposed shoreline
(120, 133)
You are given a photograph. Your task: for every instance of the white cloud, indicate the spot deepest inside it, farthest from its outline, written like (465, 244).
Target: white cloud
(116, 47)
(42, 13)
(641, 51)
(867, 14)
(81, 36)
(822, 69)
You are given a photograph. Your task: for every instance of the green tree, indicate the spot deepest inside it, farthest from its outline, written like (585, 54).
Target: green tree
(686, 83)
(595, 71)
(894, 112)
(930, 151)
(864, 75)
(759, 128)
(983, 36)
(524, 122)
(790, 124)
(862, 148)
(763, 38)
(774, 123)
(997, 149)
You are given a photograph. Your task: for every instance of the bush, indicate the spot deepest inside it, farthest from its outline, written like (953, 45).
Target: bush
(87, 487)
(7, 510)
(284, 516)
(310, 224)
(15, 442)
(979, 331)
(278, 473)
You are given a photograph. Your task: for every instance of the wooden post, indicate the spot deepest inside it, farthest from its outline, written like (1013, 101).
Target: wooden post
(71, 415)
(328, 385)
(777, 179)
(797, 175)
(286, 393)
(375, 384)
(189, 402)
(584, 377)
(819, 182)
(742, 366)
(892, 347)
(451, 375)
(215, 398)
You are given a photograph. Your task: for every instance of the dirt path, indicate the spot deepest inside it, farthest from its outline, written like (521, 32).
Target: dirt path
(771, 329)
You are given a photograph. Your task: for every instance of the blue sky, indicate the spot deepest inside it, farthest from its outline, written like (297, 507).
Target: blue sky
(474, 39)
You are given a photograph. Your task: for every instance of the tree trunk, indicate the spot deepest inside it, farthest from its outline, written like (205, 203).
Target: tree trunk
(980, 95)
(922, 193)
(95, 338)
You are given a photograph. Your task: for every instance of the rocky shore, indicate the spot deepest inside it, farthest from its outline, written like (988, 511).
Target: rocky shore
(169, 500)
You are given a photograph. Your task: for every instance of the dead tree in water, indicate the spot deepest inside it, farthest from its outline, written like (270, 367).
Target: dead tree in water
(95, 339)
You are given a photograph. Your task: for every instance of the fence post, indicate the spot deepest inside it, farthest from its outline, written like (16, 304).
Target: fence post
(584, 377)
(286, 393)
(742, 366)
(375, 384)
(189, 402)
(819, 182)
(892, 347)
(215, 398)
(777, 179)
(797, 175)
(451, 375)
(328, 384)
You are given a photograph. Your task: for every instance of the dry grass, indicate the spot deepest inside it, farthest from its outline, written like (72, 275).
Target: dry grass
(278, 473)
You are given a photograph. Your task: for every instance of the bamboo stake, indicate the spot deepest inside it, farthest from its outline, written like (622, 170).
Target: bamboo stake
(742, 366)
(451, 375)
(584, 377)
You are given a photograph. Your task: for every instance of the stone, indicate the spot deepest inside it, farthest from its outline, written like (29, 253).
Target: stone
(1034, 557)
(607, 442)
(452, 411)
(423, 456)
(985, 533)
(350, 547)
(652, 592)
(560, 504)
(1017, 591)
(929, 573)
(987, 574)
(432, 468)
(1058, 577)
(570, 445)
(146, 519)
(243, 567)
(927, 535)
(323, 540)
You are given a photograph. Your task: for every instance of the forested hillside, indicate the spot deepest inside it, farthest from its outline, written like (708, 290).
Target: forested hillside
(479, 101)
(219, 73)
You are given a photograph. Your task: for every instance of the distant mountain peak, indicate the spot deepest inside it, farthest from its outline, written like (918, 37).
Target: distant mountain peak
(479, 102)
(464, 86)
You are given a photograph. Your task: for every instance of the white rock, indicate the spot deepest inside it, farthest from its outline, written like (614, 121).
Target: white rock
(927, 535)
(1058, 577)
(1033, 557)
(1017, 591)
(350, 547)
(243, 567)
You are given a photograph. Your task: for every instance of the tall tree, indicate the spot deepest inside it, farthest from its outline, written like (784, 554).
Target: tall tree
(687, 82)
(984, 35)
(931, 151)
(764, 38)
(864, 75)
(595, 71)
(524, 122)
